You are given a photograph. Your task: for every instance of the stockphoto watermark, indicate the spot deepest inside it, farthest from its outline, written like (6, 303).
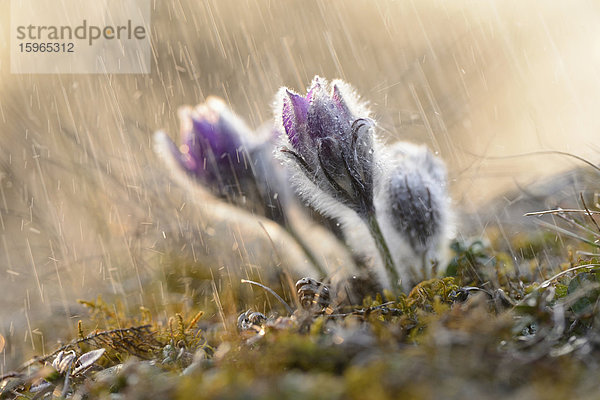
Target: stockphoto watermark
(80, 36)
(83, 32)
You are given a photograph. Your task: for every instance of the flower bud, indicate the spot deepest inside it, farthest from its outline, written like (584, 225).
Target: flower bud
(329, 145)
(413, 208)
(222, 153)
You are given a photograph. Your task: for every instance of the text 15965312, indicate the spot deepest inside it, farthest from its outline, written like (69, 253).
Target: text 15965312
(46, 47)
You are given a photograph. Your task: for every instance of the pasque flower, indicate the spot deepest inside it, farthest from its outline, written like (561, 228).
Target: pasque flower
(416, 190)
(330, 141)
(222, 153)
(414, 209)
(331, 150)
(339, 167)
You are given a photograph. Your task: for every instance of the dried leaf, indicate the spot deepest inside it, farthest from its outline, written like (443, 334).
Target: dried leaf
(87, 359)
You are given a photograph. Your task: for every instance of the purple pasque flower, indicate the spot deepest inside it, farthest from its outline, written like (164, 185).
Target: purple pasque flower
(330, 141)
(235, 163)
(211, 148)
(330, 150)
(222, 153)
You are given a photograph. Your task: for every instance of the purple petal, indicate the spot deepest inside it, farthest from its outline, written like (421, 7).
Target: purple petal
(300, 106)
(295, 113)
(204, 136)
(326, 120)
(340, 103)
(209, 142)
(210, 133)
(288, 119)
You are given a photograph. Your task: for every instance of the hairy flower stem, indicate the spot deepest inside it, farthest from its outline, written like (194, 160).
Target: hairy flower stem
(384, 252)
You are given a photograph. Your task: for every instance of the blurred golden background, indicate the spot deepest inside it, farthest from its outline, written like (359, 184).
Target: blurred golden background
(86, 207)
